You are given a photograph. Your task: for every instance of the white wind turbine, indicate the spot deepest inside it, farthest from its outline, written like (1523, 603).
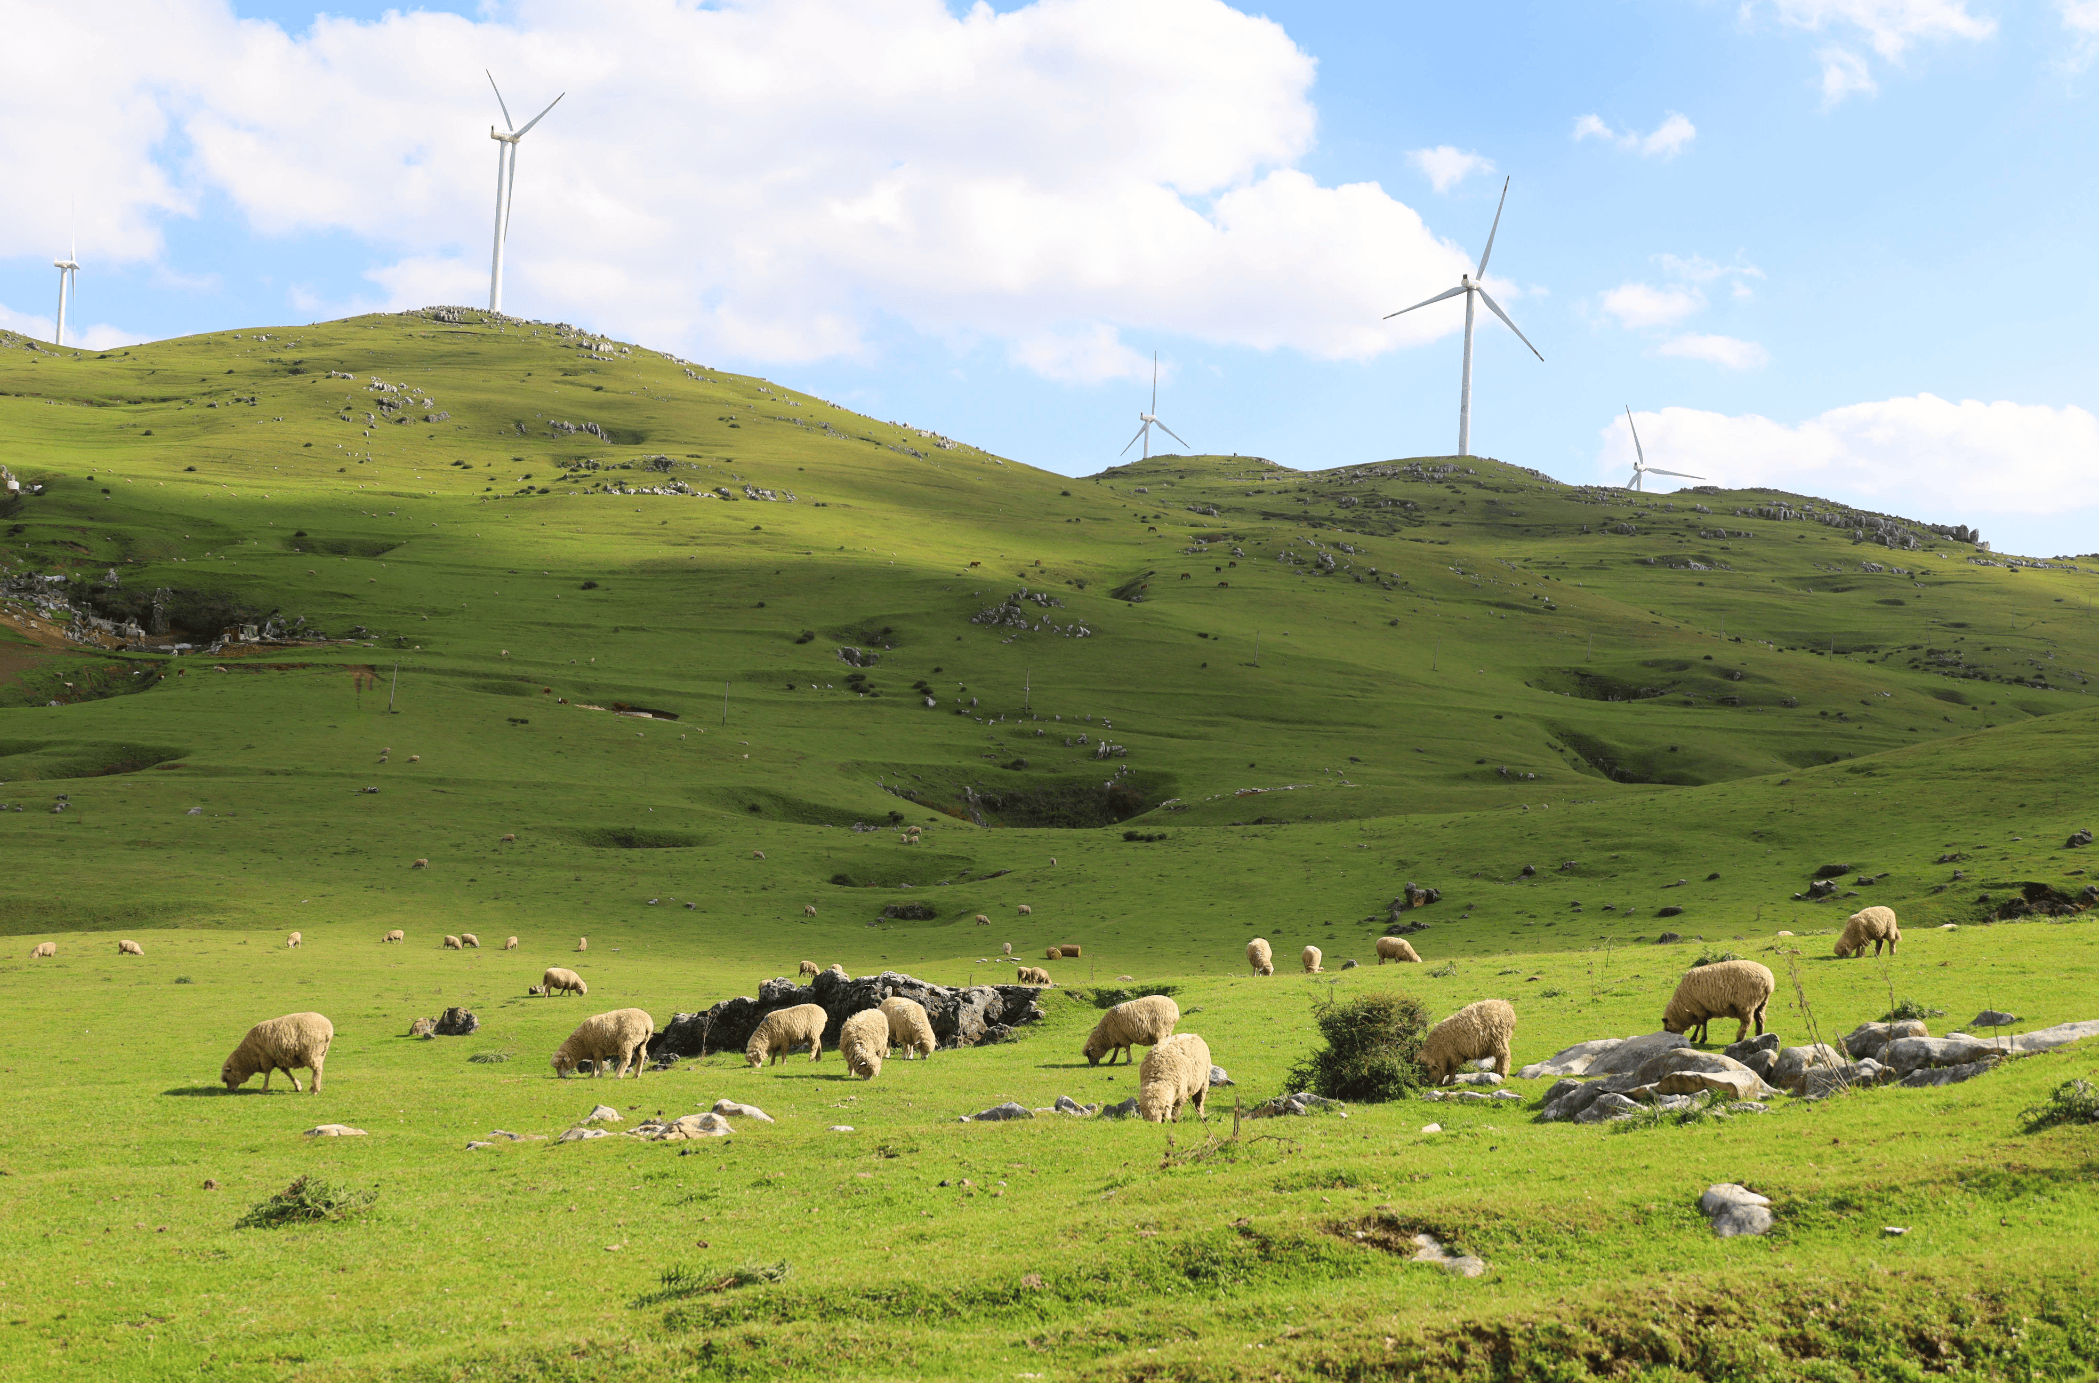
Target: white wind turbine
(506, 179)
(1151, 419)
(1640, 466)
(66, 271)
(1469, 285)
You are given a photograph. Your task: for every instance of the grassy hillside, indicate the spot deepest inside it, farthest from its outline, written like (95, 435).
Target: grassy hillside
(488, 542)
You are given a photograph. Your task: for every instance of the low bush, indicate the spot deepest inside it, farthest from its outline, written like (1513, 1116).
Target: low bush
(309, 1198)
(2072, 1102)
(1372, 1048)
(1910, 1008)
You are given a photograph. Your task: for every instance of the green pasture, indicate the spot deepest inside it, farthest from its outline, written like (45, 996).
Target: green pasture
(1565, 729)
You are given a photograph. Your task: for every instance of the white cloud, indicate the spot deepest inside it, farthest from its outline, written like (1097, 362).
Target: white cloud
(1844, 73)
(1724, 351)
(1699, 269)
(776, 179)
(99, 337)
(1666, 140)
(1644, 305)
(1924, 457)
(1090, 355)
(1890, 26)
(2081, 19)
(1446, 166)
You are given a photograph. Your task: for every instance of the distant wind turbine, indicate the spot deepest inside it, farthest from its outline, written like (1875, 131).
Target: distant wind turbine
(1151, 420)
(506, 179)
(1640, 466)
(67, 269)
(1470, 284)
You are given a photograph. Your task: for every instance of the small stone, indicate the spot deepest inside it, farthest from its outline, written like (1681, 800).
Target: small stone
(334, 1131)
(840, 1128)
(603, 1114)
(1735, 1210)
(1218, 1077)
(577, 1135)
(422, 1027)
(479, 1143)
(1432, 1128)
(1477, 1078)
(1993, 1018)
(1894, 1231)
(1067, 1105)
(1011, 1109)
(1506, 1095)
(507, 1136)
(211, 1184)
(457, 1022)
(734, 1110)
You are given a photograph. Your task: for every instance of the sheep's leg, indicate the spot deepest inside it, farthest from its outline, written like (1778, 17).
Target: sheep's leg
(267, 1072)
(316, 1065)
(1202, 1101)
(1759, 1015)
(1501, 1060)
(816, 1048)
(1743, 1030)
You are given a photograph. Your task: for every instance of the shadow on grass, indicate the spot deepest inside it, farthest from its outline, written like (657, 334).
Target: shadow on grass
(195, 1091)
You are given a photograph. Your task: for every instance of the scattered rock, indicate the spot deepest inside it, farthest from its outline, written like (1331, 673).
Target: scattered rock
(1872, 1039)
(2078, 837)
(1067, 1105)
(1432, 1128)
(1506, 1095)
(1793, 1063)
(1993, 1018)
(1348, 965)
(1011, 1109)
(1122, 1110)
(1456, 1264)
(741, 1111)
(1671, 911)
(422, 1027)
(1606, 1104)
(1894, 1231)
(506, 1136)
(1476, 1078)
(1925, 1076)
(603, 1114)
(334, 1131)
(839, 1128)
(1909, 1054)
(1303, 1102)
(961, 1017)
(1735, 1210)
(690, 1126)
(1668, 939)
(1218, 1077)
(1632, 1053)
(457, 1022)
(577, 1135)
(2048, 1039)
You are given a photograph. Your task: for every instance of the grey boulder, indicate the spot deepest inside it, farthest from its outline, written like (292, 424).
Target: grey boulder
(1735, 1210)
(1606, 1105)
(1793, 1063)
(1871, 1039)
(1011, 1109)
(1926, 1076)
(1993, 1018)
(457, 1022)
(1907, 1054)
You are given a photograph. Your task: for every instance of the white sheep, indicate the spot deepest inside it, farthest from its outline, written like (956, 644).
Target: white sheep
(291, 942)
(1875, 924)
(835, 968)
(280, 1044)
(395, 935)
(1312, 959)
(469, 939)
(757, 854)
(1729, 989)
(1396, 948)
(863, 1040)
(1033, 974)
(510, 944)
(507, 839)
(1024, 910)
(1174, 1073)
(909, 1027)
(1144, 1022)
(1484, 1029)
(452, 943)
(1007, 949)
(583, 943)
(44, 950)
(619, 1036)
(982, 920)
(559, 981)
(1260, 957)
(808, 909)
(810, 969)
(785, 1030)
(420, 864)
(130, 948)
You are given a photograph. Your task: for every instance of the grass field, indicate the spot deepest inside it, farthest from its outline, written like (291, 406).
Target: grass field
(1323, 686)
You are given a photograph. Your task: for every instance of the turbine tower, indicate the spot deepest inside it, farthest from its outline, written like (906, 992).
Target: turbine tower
(1640, 466)
(506, 179)
(1470, 285)
(1151, 419)
(66, 271)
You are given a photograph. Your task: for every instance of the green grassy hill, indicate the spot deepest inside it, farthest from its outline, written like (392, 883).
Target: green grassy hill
(1167, 708)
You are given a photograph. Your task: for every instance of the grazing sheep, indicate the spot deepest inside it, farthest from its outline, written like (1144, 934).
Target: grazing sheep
(44, 950)
(511, 944)
(583, 943)
(130, 948)
(292, 942)
(1033, 974)
(757, 854)
(1024, 910)
(863, 1041)
(1312, 959)
(909, 1027)
(1174, 1073)
(469, 939)
(809, 969)
(508, 839)
(452, 943)
(1260, 957)
(280, 1044)
(808, 909)
(395, 935)
(619, 1036)
(1474, 1031)
(784, 1030)
(1007, 949)
(1874, 924)
(420, 864)
(1731, 989)
(1144, 1022)
(1396, 948)
(982, 920)
(839, 970)
(560, 981)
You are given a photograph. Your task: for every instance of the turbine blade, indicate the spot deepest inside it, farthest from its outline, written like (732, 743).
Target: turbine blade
(1155, 381)
(1175, 435)
(1448, 293)
(1636, 435)
(1488, 253)
(508, 123)
(1686, 475)
(1495, 308)
(541, 116)
(1133, 441)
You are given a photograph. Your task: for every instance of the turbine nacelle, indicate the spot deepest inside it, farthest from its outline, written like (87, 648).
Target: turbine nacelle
(1151, 420)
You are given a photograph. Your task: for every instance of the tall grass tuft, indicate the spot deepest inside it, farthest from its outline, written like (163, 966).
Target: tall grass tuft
(307, 1199)
(2072, 1102)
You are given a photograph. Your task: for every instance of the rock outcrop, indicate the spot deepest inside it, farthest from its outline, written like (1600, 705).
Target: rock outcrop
(961, 1017)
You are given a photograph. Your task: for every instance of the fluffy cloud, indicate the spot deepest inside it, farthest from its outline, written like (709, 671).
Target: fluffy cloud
(99, 337)
(1446, 167)
(1638, 305)
(1889, 27)
(778, 179)
(1667, 139)
(2081, 20)
(1925, 457)
(1725, 351)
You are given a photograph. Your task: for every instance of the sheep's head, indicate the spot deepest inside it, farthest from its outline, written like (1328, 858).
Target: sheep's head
(236, 1072)
(563, 1064)
(867, 1067)
(1095, 1049)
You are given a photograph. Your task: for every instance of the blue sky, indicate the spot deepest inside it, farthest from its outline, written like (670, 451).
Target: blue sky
(1839, 246)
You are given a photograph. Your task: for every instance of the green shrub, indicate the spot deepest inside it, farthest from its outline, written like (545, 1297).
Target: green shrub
(2072, 1102)
(1109, 996)
(1910, 1008)
(1372, 1049)
(1445, 970)
(1709, 956)
(308, 1198)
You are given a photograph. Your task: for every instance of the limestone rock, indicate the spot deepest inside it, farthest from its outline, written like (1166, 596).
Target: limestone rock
(1735, 1210)
(1067, 1105)
(961, 1017)
(1634, 1052)
(1871, 1039)
(1925, 1076)
(690, 1126)
(1686, 1071)
(1121, 1110)
(577, 1135)
(2048, 1039)
(1009, 1110)
(1477, 1078)
(1427, 1250)
(334, 1131)
(478, 1144)
(1907, 1054)
(603, 1114)
(1993, 1018)
(1793, 1063)
(734, 1110)
(1218, 1077)
(506, 1136)
(1606, 1105)
(1505, 1096)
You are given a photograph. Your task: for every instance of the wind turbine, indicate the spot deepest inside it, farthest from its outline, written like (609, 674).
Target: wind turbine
(506, 179)
(1640, 466)
(66, 270)
(1151, 420)
(1470, 284)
